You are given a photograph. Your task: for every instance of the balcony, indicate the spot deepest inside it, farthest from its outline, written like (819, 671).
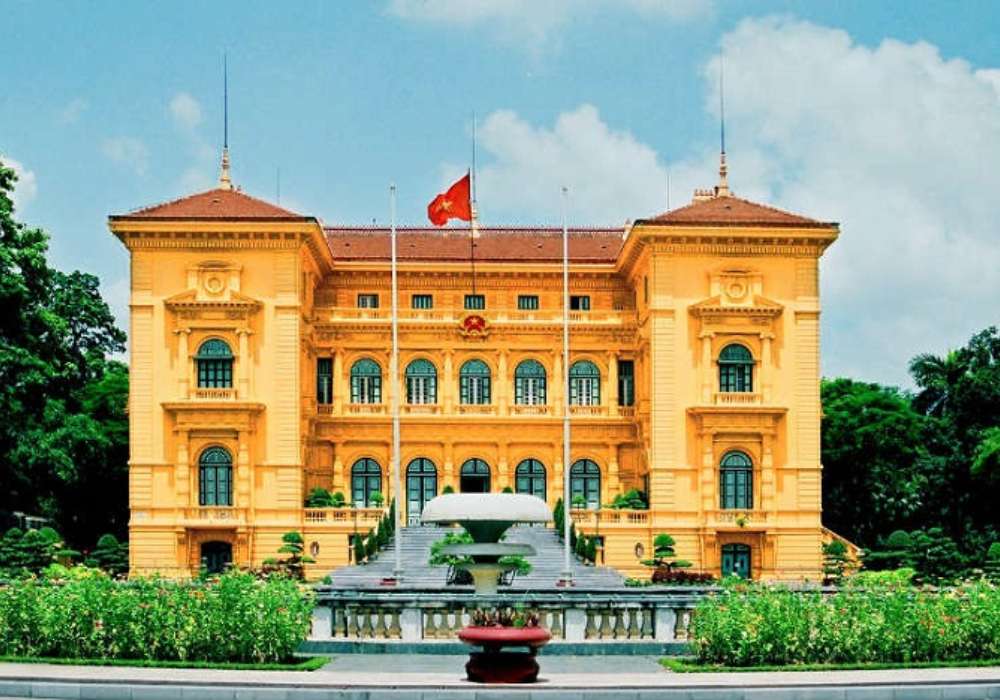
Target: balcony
(366, 409)
(343, 516)
(215, 516)
(421, 409)
(476, 409)
(214, 394)
(611, 517)
(588, 410)
(737, 518)
(737, 398)
(493, 316)
(525, 410)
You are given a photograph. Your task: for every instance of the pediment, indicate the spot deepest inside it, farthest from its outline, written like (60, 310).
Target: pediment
(189, 301)
(756, 305)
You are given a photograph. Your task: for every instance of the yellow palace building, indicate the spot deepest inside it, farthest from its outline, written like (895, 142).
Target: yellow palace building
(260, 344)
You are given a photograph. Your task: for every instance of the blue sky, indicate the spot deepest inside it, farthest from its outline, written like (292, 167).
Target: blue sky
(883, 116)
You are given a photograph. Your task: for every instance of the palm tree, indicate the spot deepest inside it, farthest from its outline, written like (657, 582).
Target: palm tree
(937, 378)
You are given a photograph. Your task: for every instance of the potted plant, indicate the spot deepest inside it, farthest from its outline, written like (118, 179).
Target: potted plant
(496, 628)
(376, 499)
(665, 562)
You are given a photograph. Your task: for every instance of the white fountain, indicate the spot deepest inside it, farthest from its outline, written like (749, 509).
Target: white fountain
(486, 516)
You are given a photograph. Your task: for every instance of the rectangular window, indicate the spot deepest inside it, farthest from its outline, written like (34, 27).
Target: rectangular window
(421, 301)
(579, 303)
(475, 302)
(626, 383)
(527, 302)
(368, 301)
(324, 380)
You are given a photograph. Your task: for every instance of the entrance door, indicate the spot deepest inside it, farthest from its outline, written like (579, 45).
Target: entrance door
(736, 560)
(475, 477)
(216, 556)
(421, 486)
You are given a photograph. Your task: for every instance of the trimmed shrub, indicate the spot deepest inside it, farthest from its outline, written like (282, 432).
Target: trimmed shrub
(110, 555)
(679, 577)
(507, 489)
(233, 618)
(359, 550)
(319, 497)
(750, 625)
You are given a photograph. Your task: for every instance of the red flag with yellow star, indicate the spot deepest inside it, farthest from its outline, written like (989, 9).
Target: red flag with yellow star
(453, 204)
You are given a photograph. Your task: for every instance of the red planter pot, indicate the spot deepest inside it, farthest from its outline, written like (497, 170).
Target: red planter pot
(492, 664)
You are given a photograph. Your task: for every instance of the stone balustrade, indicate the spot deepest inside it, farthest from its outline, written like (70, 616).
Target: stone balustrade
(572, 616)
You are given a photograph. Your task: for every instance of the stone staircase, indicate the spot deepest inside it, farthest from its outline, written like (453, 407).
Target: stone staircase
(418, 574)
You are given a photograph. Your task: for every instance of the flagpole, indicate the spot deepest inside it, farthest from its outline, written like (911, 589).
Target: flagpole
(567, 574)
(397, 571)
(474, 219)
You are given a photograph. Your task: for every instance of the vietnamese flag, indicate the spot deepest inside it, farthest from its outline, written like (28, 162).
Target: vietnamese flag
(453, 204)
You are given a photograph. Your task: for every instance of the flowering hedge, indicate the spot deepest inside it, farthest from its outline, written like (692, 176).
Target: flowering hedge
(235, 618)
(751, 625)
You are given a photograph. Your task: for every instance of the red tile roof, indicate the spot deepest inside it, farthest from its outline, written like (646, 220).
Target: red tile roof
(733, 211)
(213, 204)
(497, 244)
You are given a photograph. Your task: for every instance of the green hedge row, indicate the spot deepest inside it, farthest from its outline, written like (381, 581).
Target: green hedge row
(236, 618)
(753, 625)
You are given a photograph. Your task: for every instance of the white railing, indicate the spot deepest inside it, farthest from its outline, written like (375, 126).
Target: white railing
(206, 394)
(366, 408)
(737, 398)
(343, 515)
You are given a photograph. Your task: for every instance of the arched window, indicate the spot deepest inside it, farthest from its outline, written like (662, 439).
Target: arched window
(735, 369)
(421, 486)
(215, 478)
(366, 382)
(584, 384)
(736, 481)
(529, 383)
(215, 365)
(474, 383)
(366, 479)
(421, 382)
(736, 560)
(475, 477)
(529, 478)
(585, 482)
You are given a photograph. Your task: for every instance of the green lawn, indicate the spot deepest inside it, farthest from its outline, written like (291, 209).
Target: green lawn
(304, 663)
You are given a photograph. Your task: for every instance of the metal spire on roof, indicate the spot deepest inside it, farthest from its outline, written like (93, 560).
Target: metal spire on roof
(225, 181)
(722, 190)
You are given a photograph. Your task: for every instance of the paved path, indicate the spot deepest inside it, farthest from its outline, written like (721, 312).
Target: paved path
(390, 677)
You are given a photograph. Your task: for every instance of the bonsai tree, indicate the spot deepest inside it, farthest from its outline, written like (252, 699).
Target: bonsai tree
(992, 564)
(507, 489)
(632, 499)
(319, 497)
(894, 553)
(664, 560)
(377, 499)
(448, 489)
(294, 563)
(935, 556)
(109, 555)
(579, 501)
(836, 563)
(338, 500)
(359, 549)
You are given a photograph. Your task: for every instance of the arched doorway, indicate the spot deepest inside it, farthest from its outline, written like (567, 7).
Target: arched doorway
(421, 486)
(736, 560)
(216, 556)
(475, 477)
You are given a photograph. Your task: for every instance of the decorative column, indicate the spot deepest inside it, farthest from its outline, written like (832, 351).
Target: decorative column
(709, 499)
(340, 388)
(611, 395)
(503, 467)
(449, 467)
(706, 367)
(555, 488)
(767, 476)
(765, 366)
(614, 483)
(502, 384)
(243, 471)
(244, 385)
(182, 477)
(555, 382)
(183, 363)
(339, 480)
(447, 384)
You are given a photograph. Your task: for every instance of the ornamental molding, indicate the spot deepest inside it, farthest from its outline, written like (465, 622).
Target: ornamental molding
(714, 308)
(187, 305)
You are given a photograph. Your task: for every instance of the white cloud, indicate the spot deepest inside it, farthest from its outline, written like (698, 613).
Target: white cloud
(899, 145)
(185, 110)
(26, 187)
(71, 113)
(611, 176)
(533, 20)
(127, 151)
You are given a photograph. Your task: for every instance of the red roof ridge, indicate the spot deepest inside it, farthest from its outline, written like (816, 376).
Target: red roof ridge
(718, 210)
(214, 203)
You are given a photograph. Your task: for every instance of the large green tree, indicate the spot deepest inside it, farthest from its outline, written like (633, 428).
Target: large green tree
(64, 434)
